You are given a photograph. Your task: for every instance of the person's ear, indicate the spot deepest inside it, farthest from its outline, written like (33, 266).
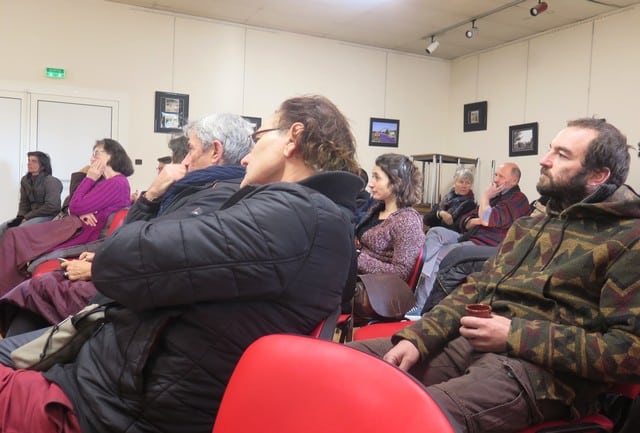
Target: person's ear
(598, 177)
(217, 152)
(295, 136)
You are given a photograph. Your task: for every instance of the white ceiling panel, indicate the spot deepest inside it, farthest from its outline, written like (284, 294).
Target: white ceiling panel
(402, 25)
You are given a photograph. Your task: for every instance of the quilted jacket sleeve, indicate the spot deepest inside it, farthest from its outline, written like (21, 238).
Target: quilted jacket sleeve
(214, 257)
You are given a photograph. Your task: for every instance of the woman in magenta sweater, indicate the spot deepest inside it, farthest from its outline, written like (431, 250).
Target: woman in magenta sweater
(104, 190)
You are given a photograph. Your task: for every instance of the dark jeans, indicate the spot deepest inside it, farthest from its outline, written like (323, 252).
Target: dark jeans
(482, 392)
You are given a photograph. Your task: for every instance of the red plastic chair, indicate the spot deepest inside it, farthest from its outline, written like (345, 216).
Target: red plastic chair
(417, 269)
(117, 220)
(288, 384)
(44, 267)
(379, 330)
(327, 327)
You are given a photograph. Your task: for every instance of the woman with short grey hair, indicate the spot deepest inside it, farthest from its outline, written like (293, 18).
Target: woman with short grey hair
(455, 204)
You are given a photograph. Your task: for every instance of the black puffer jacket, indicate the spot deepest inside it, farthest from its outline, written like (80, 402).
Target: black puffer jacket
(198, 291)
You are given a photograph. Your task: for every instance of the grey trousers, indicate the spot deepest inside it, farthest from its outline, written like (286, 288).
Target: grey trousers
(482, 392)
(9, 344)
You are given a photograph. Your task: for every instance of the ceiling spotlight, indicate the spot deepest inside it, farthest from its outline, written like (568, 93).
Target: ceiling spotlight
(539, 8)
(472, 31)
(433, 45)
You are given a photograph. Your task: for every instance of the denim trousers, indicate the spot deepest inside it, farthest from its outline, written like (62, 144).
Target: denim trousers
(481, 392)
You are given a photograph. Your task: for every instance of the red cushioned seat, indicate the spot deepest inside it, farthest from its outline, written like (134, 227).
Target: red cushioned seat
(289, 384)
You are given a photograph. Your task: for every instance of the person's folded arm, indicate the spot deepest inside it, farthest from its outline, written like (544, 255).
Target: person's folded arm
(230, 254)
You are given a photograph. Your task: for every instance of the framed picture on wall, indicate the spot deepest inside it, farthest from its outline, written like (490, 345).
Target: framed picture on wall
(171, 112)
(256, 122)
(475, 116)
(523, 139)
(384, 132)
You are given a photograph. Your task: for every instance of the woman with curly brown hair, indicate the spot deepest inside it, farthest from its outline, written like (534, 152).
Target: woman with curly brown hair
(391, 235)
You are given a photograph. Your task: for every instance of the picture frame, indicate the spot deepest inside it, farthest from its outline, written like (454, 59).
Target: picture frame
(384, 132)
(171, 112)
(475, 116)
(523, 139)
(255, 121)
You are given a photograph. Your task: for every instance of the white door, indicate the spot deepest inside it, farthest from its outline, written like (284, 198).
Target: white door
(66, 128)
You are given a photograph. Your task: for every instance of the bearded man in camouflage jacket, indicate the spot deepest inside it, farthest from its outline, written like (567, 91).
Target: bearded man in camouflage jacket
(565, 292)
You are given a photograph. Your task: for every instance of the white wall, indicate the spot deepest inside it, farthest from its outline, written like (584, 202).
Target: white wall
(589, 69)
(129, 53)
(113, 51)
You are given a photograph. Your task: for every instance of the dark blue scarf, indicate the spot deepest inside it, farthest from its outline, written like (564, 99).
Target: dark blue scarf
(201, 177)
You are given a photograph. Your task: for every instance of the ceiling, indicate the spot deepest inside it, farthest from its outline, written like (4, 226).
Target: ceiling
(401, 25)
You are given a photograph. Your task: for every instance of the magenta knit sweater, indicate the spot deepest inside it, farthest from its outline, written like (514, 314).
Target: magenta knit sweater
(100, 198)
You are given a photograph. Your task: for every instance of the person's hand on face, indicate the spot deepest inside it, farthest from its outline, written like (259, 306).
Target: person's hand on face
(96, 169)
(169, 174)
(495, 189)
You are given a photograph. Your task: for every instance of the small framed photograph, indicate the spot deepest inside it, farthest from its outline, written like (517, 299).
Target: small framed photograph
(256, 122)
(475, 116)
(523, 139)
(171, 112)
(384, 132)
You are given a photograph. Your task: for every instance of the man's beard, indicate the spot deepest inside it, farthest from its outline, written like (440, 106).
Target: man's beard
(567, 191)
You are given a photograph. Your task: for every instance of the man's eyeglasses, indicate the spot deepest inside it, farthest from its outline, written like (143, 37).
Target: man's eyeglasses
(258, 134)
(98, 152)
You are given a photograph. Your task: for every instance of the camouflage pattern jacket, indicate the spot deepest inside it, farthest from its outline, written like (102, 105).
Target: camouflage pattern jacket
(570, 282)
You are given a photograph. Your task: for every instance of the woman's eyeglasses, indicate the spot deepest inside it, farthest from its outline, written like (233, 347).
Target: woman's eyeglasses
(258, 134)
(98, 152)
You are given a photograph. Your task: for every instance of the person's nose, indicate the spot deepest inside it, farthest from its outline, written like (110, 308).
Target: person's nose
(546, 160)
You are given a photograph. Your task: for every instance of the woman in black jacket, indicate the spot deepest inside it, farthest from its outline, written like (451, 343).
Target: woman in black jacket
(455, 204)
(194, 293)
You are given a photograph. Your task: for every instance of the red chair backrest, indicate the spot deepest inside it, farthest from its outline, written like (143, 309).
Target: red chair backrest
(296, 384)
(44, 267)
(417, 269)
(327, 327)
(117, 220)
(379, 330)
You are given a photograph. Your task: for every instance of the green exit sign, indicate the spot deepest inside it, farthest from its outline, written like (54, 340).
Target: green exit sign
(55, 73)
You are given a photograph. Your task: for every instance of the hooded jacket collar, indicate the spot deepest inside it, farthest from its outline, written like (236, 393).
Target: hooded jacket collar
(608, 199)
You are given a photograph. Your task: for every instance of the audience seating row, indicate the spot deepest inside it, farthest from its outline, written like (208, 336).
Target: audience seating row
(51, 264)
